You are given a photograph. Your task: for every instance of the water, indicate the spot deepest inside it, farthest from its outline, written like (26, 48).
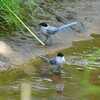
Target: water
(81, 76)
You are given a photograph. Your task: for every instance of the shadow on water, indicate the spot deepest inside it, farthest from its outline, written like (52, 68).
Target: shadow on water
(81, 76)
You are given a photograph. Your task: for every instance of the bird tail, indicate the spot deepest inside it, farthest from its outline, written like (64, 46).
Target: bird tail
(67, 25)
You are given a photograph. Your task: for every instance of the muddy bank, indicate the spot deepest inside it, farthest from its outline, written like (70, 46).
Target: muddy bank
(13, 52)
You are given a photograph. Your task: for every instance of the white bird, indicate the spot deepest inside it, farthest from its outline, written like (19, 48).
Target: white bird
(46, 30)
(51, 30)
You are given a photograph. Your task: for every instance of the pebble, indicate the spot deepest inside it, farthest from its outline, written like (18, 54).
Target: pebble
(3, 66)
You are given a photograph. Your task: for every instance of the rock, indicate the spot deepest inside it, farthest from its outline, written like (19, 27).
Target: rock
(71, 15)
(3, 66)
(4, 63)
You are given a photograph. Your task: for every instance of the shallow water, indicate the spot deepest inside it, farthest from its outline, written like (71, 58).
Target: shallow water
(81, 76)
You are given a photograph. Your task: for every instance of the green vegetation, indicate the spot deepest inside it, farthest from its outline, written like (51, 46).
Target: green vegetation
(8, 22)
(23, 9)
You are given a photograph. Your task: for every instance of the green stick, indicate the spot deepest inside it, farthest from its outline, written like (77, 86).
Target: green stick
(24, 24)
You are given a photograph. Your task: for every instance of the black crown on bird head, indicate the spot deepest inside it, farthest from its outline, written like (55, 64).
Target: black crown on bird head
(43, 24)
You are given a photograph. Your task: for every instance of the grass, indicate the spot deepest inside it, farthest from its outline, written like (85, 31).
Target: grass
(23, 9)
(8, 20)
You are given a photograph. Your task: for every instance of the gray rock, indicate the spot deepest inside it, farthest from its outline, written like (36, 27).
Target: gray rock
(4, 63)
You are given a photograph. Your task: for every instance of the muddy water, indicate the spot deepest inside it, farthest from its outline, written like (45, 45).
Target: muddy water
(81, 76)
